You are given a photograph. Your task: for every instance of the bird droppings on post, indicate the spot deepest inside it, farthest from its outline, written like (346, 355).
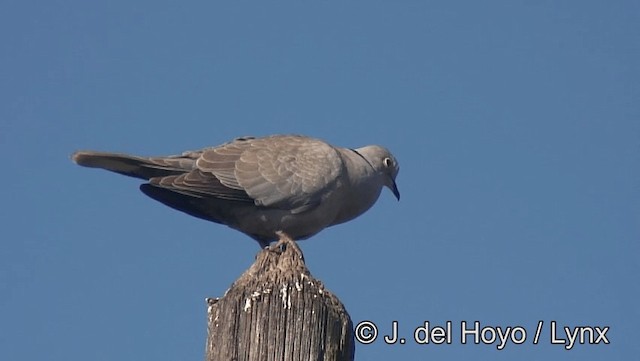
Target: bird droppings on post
(256, 295)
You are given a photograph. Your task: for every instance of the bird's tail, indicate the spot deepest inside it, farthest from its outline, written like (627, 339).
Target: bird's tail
(133, 166)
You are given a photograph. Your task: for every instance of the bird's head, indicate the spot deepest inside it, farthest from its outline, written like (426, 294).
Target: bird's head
(384, 163)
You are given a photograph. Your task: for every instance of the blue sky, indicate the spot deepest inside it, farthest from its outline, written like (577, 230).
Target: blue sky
(515, 124)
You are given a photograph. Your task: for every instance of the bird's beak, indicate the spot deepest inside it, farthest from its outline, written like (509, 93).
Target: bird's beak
(394, 189)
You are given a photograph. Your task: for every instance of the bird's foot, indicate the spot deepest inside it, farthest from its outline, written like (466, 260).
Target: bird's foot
(285, 241)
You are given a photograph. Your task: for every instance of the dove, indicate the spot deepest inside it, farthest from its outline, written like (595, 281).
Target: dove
(264, 187)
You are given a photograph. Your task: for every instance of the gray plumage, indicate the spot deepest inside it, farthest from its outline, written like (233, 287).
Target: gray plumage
(260, 186)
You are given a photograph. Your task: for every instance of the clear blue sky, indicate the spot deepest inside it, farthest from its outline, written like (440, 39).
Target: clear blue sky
(516, 124)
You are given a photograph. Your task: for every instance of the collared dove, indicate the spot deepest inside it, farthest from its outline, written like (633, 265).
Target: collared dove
(263, 187)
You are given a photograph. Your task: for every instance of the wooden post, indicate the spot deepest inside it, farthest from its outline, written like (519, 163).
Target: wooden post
(277, 311)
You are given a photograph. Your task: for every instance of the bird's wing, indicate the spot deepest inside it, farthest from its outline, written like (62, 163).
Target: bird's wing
(287, 172)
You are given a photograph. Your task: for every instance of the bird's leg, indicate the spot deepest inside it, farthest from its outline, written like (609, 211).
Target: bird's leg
(285, 241)
(264, 244)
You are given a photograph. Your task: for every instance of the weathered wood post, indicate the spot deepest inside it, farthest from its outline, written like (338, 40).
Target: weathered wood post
(277, 311)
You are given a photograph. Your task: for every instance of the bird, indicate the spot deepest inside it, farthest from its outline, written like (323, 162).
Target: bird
(265, 187)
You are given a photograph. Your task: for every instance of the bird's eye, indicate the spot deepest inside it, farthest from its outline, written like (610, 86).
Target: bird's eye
(387, 162)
